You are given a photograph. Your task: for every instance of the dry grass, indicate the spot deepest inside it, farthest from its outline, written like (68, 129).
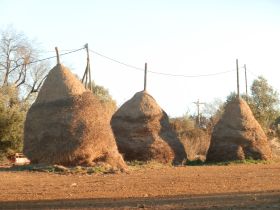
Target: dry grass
(238, 136)
(60, 84)
(143, 132)
(196, 142)
(275, 148)
(69, 130)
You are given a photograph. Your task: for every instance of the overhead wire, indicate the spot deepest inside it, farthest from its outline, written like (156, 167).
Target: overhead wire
(134, 67)
(252, 73)
(191, 76)
(43, 59)
(53, 51)
(158, 73)
(114, 60)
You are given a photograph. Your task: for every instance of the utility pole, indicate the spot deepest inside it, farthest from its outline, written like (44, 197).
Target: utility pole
(57, 55)
(145, 77)
(237, 71)
(87, 74)
(246, 83)
(197, 103)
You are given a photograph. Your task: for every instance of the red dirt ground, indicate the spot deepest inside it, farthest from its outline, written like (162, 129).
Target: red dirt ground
(238, 186)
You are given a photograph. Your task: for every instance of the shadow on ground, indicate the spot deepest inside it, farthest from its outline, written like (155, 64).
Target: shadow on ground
(261, 200)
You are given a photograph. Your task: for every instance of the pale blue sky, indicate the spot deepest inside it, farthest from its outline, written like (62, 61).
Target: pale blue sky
(187, 37)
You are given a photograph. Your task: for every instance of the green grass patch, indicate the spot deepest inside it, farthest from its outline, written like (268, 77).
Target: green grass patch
(246, 161)
(137, 165)
(195, 163)
(225, 163)
(62, 169)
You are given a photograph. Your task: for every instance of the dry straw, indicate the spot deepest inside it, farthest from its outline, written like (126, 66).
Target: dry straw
(238, 135)
(66, 125)
(143, 132)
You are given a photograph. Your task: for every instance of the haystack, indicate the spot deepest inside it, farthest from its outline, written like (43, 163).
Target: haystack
(66, 125)
(143, 132)
(238, 136)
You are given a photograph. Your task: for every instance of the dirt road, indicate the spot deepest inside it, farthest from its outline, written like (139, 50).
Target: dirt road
(235, 186)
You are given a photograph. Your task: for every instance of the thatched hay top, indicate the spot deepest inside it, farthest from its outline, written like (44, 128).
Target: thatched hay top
(239, 116)
(140, 105)
(238, 135)
(143, 132)
(67, 125)
(59, 84)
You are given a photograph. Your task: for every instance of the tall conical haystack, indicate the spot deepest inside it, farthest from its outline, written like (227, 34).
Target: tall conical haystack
(143, 132)
(238, 135)
(66, 125)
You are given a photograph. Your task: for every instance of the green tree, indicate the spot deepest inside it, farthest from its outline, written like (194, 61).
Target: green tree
(264, 102)
(213, 112)
(12, 116)
(19, 83)
(104, 96)
(182, 124)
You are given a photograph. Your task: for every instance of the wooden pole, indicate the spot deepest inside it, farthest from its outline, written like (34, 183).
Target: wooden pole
(88, 68)
(246, 83)
(145, 77)
(197, 103)
(57, 55)
(198, 112)
(84, 76)
(86, 80)
(237, 71)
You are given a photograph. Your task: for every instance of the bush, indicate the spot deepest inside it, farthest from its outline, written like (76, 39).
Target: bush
(106, 99)
(182, 124)
(195, 140)
(12, 116)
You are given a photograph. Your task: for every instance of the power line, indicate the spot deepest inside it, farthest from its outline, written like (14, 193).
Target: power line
(112, 59)
(190, 76)
(132, 66)
(252, 73)
(159, 73)
(43, 59)
(73, 51)
(53, 51)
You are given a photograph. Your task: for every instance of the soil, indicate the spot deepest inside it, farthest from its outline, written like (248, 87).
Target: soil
(240, 186)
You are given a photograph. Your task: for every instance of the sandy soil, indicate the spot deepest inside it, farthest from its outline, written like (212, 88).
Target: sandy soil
(240, 186)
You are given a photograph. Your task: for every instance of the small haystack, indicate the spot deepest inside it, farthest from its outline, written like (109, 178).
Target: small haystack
(143, 132)
(238, 136)
(66, 125)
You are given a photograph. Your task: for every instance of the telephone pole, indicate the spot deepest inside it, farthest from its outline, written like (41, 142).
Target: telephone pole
(246, 83)
(145, 77)
(197, 103)
(87, 74)
(237, 72)
(57, 55)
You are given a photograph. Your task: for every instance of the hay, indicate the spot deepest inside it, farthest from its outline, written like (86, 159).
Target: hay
(143, 132)
(238, 136)
(275, 148)
(60, 84)
(66, 125)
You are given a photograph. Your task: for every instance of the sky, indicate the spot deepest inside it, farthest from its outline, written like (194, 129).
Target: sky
(181, 37)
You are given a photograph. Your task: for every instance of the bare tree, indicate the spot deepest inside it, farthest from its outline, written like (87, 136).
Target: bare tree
(16, 54)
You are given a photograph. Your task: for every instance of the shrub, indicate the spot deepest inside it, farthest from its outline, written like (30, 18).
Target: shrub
(195, 140)
(12, 116)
